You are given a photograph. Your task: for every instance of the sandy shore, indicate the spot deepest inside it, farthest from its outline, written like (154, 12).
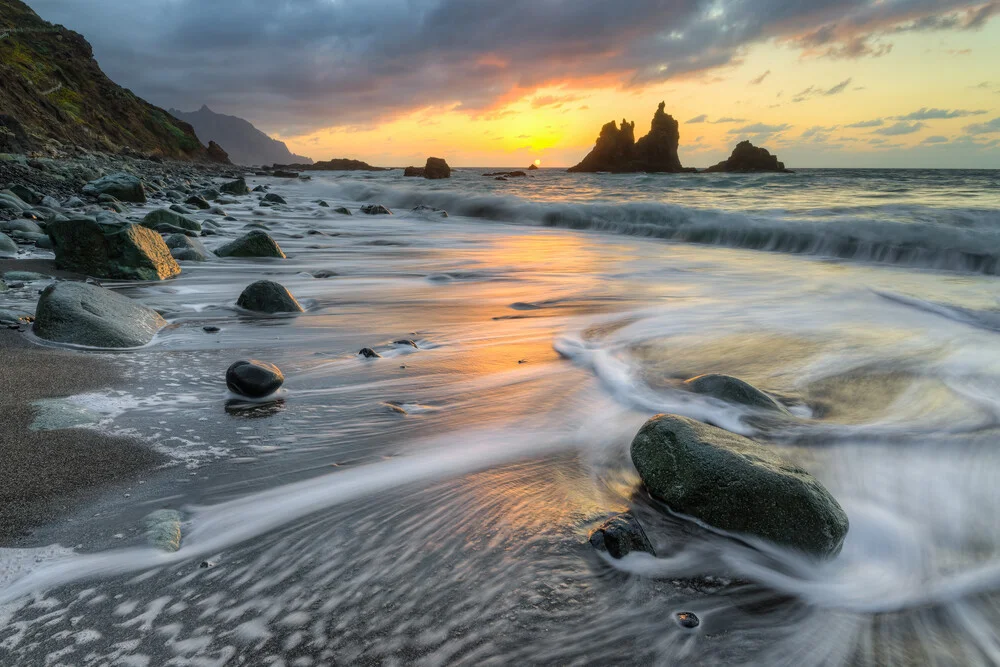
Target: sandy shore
(45, 474)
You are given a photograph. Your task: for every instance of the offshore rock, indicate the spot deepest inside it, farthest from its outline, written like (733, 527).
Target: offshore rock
(435, 168)
(618, 152)
(737, 485)
(747, 158)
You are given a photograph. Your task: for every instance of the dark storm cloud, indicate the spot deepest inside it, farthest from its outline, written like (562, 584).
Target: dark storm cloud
(296, 66)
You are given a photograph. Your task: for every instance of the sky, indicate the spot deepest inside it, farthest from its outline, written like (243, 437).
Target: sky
(822, 83)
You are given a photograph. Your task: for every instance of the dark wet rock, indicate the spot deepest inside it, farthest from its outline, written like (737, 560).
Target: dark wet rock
(435, 168)
(733, 390)
(749, 158)
(7, 246)
(323, 204)
(20, 225)
(500, 178)
(343, 210)
(621, 535)
(406, 342)
(129, 252)
(735, 484)
(163, 216)
(85, 314)
(369, 353)
(123, 187)
(507, 174)
(198, 202)
(211, 329)
(237, 187)
(532, 167)
(278, 173)
(618, 152)
(687, 620)
(375, 209)
(266, 296)
(260, 188)
(211, 193)
(15, 318)
(256, 243)
(274, 199)
(190, 254)
(13, 203)
(25, 276)
(423, 209)
(324, 273)
(26, 193)
(254, 379)
(218, 210)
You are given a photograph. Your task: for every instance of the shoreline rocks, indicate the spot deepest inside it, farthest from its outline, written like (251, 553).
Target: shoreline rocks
(733, 390)
(121, 186)
(254, 379)
(621, 535)
(85, 314)
(267, 296)
(736, 484)
(255, 243)
(111, 250)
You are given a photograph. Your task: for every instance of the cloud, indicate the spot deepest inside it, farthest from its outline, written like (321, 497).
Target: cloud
(760, 79)
(936, 139)
(938, 114)
(760, 128)
(900, 128)
(813, 91)
(553, 101)
(876, 122)
(988, 127)
(698, 119)
(295, 67)
(727, 119)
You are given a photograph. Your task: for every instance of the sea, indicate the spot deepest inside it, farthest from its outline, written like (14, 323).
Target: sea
(432, 506)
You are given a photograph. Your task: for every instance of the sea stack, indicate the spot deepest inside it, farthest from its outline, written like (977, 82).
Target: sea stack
(748, 158)
(618, 152)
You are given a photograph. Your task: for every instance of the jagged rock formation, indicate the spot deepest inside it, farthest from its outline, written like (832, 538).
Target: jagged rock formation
(245, 144)
(748, 158)
(434, 168)
(618, 152)
(54, 94)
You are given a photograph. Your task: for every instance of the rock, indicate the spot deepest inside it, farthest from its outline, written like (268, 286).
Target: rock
(405, 342)
(254, 379)
(255, 243)
(85, 314)
(284, 174)
(15, 317)
(163, 216)
(25, 276)
(621, 535)
(618, 152)
(735, 484)
(324, 273)
(189, 254)
(749, 158)
(216, 154)
(237, 187)
(435, 168)
(163, 529)
(369, 353)
(507, 174)
(211, 329)
(129, 252)
(260, 188)
(21, 225)
(375, 209)
(13, 203)
(26, 194)
(733, 390)
(274, 199)
(7, 247)
(198, 202)
(123, 187)
(3, 285)
(532, 167)
(687, 620)
(430, 210)
(343, 210)
(323, 204)
(266, 296)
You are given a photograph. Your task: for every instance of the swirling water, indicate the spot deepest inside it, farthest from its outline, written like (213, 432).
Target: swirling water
(432, 506)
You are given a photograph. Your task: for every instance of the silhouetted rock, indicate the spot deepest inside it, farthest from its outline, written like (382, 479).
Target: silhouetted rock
(532, 167)
(434, 169)
(216, 154)
(507, 174)
(749, 158)
(618, 152)
(245, 143)
(337, 164)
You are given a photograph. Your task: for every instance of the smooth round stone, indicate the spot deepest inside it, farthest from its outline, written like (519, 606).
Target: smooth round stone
(210, 329)
(254, 379)
(686, 619)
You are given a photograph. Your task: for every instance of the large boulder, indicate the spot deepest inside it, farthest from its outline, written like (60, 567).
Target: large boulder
(267, 296)
(435, 168)
(237, 187)
(129, 252)
(84, 314)
(749, 158)
(618, 152)
(254, 379)
(255, 243)
(165, 220)
(733, 390)
(7, 247)
(123, 187)
(183, 248)
(738, 485)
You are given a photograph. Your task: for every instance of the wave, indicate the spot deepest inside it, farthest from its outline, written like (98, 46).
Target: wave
(969, 244)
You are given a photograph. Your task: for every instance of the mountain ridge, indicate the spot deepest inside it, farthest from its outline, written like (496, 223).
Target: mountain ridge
(245, 144)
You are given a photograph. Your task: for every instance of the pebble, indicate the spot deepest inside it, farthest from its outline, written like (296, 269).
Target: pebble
(687, 619)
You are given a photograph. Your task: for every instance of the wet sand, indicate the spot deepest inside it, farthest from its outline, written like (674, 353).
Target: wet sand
(46, 474)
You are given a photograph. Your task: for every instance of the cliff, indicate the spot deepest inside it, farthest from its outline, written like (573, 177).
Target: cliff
(245, 144)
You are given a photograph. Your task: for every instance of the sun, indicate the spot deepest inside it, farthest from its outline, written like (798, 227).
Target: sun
(538, 163)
